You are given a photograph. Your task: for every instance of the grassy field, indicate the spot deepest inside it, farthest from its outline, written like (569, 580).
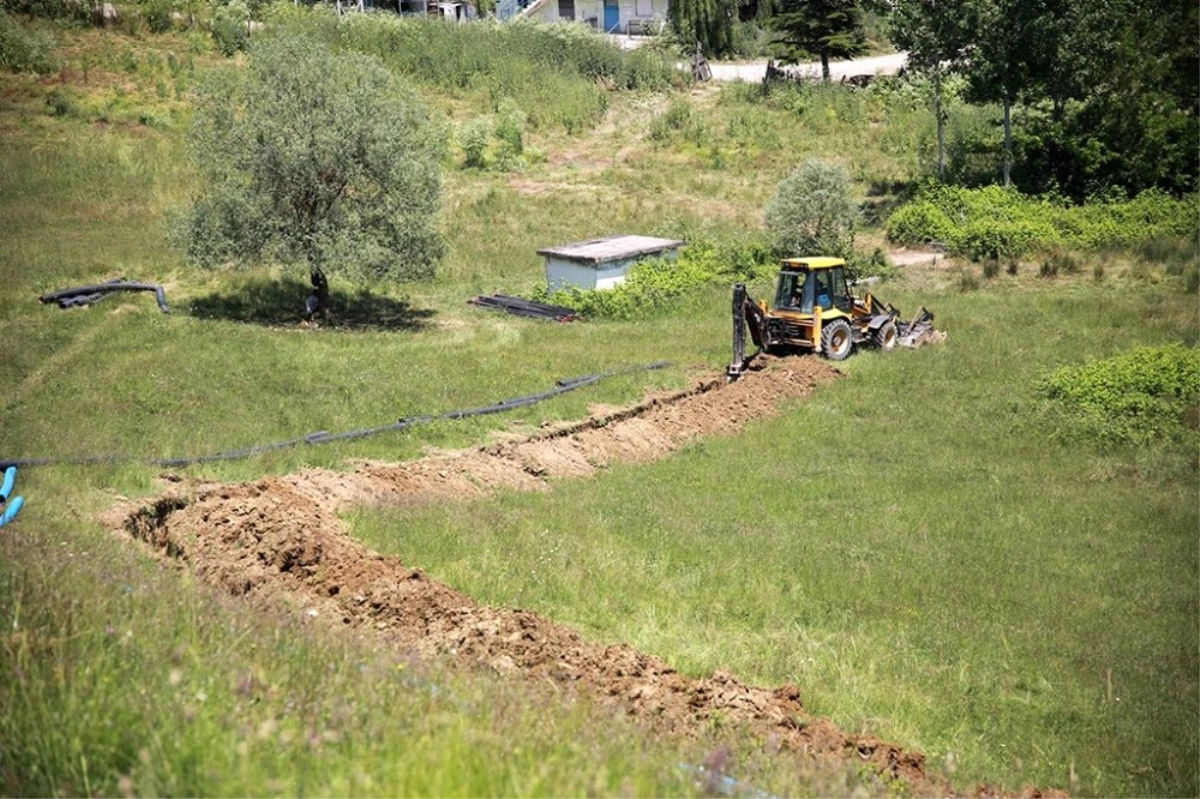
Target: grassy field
(909, 546)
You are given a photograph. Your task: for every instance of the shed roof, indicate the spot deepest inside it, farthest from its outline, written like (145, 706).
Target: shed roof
(611, 248)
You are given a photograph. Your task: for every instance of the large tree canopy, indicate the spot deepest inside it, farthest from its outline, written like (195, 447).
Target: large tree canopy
(316, 158)
(822, 28)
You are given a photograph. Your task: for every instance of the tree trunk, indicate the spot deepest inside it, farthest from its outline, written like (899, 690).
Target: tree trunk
(941, 124)
(1007, 141)
(318, 301)
(825, 67)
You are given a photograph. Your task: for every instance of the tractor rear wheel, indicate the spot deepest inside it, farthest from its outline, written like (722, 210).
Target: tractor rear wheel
(885, 337)
(836, 341)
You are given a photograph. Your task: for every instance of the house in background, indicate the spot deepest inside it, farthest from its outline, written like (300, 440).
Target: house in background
(611, 16)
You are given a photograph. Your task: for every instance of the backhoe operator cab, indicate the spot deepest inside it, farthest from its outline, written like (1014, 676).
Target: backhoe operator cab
(813, 309)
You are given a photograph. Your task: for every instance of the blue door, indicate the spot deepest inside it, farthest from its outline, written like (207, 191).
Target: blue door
(612, 16)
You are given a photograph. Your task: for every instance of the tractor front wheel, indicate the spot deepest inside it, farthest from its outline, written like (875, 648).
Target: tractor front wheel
(836, 341)
(885, 336)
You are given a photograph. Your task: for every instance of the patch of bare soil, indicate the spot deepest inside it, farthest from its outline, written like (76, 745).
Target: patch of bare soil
(278, 541)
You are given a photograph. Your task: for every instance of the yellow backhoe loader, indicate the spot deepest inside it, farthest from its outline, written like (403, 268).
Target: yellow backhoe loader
(814, 309)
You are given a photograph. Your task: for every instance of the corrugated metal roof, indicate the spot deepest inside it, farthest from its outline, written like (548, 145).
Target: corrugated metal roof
(611, 248)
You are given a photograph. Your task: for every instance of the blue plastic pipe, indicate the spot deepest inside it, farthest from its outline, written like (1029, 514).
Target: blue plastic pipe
(10, 477)
(12, 510)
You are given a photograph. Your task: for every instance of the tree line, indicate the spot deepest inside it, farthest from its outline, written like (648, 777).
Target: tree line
(1108, 90)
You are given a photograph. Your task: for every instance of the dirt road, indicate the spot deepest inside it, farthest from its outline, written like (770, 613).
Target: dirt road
(755, 70)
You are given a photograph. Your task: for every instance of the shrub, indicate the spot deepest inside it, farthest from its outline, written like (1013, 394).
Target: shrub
(25, 49)
(1192, 280)
(920, 223)
(1134, 398)
(315, 158)
(874, 265)
(158, 15)
(473, 137)
(967, 280)
(58, 103)
(813, 212)
(1060, 261)
(230, 27)
(995, 222)
(510, 135)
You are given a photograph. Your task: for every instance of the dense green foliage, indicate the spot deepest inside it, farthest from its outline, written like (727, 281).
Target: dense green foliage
(826, 29)
(1139, 397)
(995, 222)
(318, 158)
(936, 34)
(704, 23)
(23, 48)
(813, 212)
(1106, 93)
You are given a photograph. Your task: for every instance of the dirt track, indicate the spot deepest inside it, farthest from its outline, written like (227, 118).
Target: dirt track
(278, 542)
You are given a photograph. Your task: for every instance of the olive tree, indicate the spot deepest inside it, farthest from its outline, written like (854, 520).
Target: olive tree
(813, 211)
(319, 159)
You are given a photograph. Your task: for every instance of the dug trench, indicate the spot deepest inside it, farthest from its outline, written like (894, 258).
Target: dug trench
(279, 542)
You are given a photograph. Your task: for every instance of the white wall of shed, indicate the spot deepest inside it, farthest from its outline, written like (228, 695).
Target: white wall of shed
(585, 9)
(562, 274)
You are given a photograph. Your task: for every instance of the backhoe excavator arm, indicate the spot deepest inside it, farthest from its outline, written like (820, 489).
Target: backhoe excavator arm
(746, 314)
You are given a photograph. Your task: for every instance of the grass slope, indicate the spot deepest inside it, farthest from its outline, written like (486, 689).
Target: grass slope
(908, 546)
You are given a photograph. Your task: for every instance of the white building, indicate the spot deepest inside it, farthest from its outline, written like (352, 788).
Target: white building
(610, 16)
(601, 263)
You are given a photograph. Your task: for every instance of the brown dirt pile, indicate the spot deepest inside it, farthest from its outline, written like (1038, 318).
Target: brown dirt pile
(278, 542)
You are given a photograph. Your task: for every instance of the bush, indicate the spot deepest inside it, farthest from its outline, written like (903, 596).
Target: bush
(316, 158)
(1059, 261)
(1136, 398)
(994, 222)
(874, 265)
(24, 49)
(510, 136)
(71, 10)
(813, 212)
(230, 27)
(473, 137)
(58, 103)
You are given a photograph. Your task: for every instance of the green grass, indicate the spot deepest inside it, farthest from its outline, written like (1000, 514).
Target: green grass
(907, 546)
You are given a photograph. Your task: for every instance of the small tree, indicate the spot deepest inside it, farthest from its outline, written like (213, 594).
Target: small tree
(824, 28)
(813, 212)
(317, 158)
(708, 23)
(937, 35)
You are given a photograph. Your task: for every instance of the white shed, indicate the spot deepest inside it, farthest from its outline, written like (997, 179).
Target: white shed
(601, 263)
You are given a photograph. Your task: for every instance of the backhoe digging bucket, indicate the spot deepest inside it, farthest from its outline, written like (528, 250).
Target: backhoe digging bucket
(738, 364)
(745, 315)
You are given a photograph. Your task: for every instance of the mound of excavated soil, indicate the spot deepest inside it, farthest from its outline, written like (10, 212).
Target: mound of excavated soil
(278, 540)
